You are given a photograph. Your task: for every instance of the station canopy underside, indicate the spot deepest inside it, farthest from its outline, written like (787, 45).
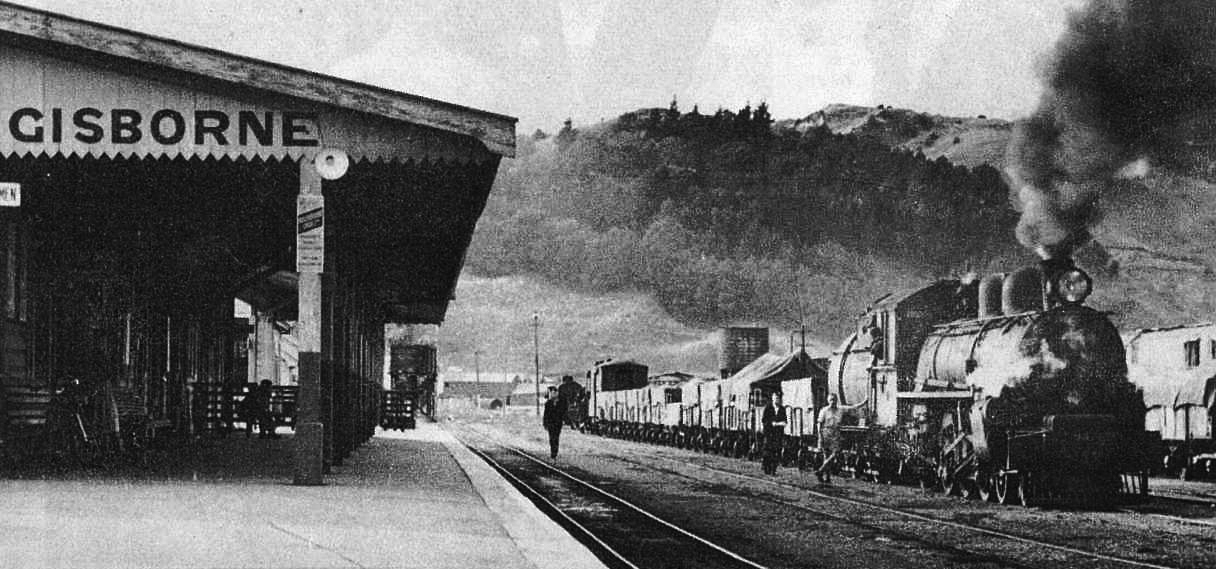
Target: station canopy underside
(181, 233)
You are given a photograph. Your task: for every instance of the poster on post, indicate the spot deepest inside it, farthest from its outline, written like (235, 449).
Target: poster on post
(310, 234)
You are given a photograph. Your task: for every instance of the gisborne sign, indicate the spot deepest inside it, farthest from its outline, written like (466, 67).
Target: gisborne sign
(169, 127)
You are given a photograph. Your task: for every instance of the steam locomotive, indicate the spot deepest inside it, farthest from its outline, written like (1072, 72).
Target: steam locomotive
(1007, 388)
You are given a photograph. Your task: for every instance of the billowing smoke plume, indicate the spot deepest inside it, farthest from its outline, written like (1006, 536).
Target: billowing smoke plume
(1132, 82)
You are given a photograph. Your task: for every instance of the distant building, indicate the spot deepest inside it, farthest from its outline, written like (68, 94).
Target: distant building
(671, 378)
(484, 377)
(525, 394)
(485, 395)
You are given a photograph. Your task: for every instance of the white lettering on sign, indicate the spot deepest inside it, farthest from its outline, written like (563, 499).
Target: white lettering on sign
(310, 233)
(10, 194)
(167, 127)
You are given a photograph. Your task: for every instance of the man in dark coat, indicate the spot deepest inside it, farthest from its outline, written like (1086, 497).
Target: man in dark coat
(555, 414)
(571, 394)
(773, 420)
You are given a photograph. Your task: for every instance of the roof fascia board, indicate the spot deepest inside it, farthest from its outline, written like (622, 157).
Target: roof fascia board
(495, 131)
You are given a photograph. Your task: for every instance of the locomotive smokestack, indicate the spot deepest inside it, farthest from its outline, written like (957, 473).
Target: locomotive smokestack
(1064, 247)
(1056, 265)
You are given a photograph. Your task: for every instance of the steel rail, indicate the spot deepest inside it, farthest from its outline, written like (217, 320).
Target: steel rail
(627, 504)
(930, 519)
(1182, 498)
(553, 507)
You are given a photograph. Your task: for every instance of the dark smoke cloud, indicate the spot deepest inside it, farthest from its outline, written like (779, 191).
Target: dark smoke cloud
(1131, 80)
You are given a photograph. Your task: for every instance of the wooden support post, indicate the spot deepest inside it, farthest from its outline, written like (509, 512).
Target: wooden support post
(265, 363)
(329, 384)
(309, 459)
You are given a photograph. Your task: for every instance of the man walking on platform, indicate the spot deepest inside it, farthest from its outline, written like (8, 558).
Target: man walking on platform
(554, 416)
(571, 394)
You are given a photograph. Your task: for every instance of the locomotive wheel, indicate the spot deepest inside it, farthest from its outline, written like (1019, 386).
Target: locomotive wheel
(984, 487)
(1025, 492)
(970, 489)
(946, 483)
(1001, 488)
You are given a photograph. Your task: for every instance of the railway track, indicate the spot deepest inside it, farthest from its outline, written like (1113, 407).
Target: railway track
(1011, 537)
(1183, 498)
(977, 543)
(1181, 508)
(619, 532)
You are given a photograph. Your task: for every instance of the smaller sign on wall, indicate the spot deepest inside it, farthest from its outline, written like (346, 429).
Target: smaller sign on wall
(310, 234)
(10, 194)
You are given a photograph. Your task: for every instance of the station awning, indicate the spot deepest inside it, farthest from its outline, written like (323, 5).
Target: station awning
(182, 159)
(77, 88)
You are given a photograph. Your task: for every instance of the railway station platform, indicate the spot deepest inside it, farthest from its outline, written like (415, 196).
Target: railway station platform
(413, 499)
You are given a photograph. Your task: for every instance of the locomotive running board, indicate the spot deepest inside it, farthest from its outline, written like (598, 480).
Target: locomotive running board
(967, 394)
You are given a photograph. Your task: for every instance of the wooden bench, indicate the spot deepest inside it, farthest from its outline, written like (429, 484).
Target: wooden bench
(397, 410)
(25, 412)
(283, 405)
(214, 407)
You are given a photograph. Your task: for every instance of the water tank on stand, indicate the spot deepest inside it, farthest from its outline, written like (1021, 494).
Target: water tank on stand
(741, 345)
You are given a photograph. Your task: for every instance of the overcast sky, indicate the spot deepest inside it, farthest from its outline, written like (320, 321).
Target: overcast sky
(545, 60)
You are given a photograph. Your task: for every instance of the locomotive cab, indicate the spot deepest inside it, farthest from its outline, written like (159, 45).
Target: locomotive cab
(879, 361)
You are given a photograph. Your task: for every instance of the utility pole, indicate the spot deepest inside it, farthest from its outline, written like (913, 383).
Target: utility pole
(536, 355)
(477, 365)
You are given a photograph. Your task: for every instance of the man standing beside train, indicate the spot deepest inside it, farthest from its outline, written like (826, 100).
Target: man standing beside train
(829, 435)
(773, 420)
(552, 419)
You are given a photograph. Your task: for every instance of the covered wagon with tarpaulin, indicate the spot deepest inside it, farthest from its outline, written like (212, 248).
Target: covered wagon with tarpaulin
(1181, 413)
(146, 183)
(731, 408)
(1175, 369)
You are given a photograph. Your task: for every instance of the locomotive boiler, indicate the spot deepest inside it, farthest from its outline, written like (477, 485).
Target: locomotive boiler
(1007, 388)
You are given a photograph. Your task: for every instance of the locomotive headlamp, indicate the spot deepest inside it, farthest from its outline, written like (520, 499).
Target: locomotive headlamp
(1073, 286)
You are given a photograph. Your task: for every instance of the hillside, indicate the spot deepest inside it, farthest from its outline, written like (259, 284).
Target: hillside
(494, 317)
(1155, 229)
(638, 237)
(967, 142)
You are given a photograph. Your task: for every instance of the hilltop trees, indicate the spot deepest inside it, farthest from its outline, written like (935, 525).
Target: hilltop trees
(721, 218)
